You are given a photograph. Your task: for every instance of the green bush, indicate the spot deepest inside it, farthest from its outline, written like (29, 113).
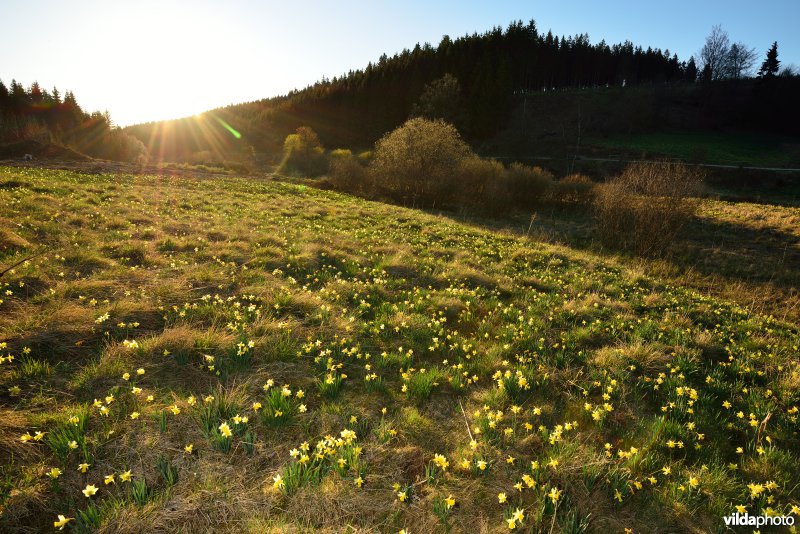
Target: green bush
(303, 153)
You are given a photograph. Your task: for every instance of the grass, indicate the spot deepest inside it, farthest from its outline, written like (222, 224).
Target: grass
(722, 148)
(212, 337)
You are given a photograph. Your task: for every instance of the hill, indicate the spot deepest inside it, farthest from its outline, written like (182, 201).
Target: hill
(516, 92)
(237, 354)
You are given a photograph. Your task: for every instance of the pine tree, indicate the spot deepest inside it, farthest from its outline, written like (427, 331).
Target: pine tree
(771, 64)
(690, 73)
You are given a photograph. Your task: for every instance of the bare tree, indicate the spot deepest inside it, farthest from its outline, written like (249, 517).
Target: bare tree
(713, 56)
(739, 61)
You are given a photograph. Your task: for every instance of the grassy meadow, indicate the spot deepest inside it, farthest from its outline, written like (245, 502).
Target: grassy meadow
(184, 353)
(721, 148)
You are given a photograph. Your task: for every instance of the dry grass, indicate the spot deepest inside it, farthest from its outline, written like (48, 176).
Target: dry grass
(194, 270)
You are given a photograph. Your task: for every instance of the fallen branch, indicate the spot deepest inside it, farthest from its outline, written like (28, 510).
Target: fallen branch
(466, 422)
(23, 260)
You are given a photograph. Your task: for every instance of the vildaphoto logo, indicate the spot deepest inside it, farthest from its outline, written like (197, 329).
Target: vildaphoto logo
(747, 520)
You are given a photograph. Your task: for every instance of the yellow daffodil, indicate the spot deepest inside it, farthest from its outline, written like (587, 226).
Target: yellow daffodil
(62, 522)
(225, 430)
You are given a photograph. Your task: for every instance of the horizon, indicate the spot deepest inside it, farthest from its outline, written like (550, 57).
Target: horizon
(191, 50)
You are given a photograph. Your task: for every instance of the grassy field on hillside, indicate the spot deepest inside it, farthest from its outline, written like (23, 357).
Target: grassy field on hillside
(245, 355)
(723, 148)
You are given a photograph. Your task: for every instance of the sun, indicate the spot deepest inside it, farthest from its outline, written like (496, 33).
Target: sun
(165, 60)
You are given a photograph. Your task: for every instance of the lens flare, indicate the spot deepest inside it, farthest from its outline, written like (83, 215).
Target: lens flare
(230, 128)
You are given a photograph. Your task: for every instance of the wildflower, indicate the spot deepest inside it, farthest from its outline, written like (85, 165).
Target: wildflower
(83, 467)
(54, 473)
(359, 482)
(110, 479)
(62, 522)
(188, 448)
(401, 495)
(225, 430)
(72, 445)
(482, 465)
(278, 482)
(755, 490)
(501, 498)
(449, 502)
(126, 476)
(441, 461)
(554, 495)
(134, 415)
(89, 490)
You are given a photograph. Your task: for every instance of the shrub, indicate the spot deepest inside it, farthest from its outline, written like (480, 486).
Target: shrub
(365, 156)
(347, 174)
(303, 153)
(415, 163)
(528, 186)
(483, 184)
(645, 208)
(339, 153)
(573, 190)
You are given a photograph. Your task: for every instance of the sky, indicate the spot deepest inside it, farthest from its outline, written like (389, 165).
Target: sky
(147, 60)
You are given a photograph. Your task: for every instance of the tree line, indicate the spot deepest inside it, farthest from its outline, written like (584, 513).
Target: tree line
(474, 81)
(41, 115)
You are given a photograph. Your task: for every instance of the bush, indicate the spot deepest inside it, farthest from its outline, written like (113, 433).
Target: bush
(365, 156)
(528, 186)
(645, 208)
(415, 163)
(573, 190)
(483, 184)
(303, 153)
(340, 153)
(347, 174)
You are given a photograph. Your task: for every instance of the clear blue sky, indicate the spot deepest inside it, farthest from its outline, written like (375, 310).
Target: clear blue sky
(148, 60)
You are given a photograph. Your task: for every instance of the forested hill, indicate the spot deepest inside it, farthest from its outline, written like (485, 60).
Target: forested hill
(484, 71)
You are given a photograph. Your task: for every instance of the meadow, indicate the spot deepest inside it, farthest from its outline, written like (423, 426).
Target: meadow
(719, 148)
(219, 353)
